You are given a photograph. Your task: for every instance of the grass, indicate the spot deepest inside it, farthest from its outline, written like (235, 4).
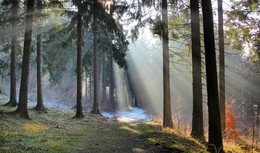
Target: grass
(56, 132)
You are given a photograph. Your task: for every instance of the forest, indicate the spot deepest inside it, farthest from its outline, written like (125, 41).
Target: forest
(129, 76)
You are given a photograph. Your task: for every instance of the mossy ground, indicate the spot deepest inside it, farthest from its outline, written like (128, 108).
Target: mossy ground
(56, 132)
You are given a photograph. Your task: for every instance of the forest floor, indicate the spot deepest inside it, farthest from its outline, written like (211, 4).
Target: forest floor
(56, 132)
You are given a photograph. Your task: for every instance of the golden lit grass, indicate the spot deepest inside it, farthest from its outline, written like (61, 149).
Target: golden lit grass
(240, 146)
(237, 148)
(128, 128)
(34, 127)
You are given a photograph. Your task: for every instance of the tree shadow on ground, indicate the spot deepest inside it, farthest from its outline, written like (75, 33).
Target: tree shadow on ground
(150, 138)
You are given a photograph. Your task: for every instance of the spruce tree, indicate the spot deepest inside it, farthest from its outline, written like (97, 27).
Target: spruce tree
(167, 115)
(40, 104)
(197, 115)
(23, 97)
(79, 113)
(221, 66)
(215, 143)
(14, 22)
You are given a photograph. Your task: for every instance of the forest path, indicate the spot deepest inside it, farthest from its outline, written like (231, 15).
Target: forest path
(133, 137)
(114, 137)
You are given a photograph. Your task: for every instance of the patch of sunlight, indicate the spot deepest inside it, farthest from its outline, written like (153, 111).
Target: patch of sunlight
(170, 131)
(146, 128)
(155, 140)
(34, 127)
(125, 119)
(180, 146)
(234, 147)
(138, 150)
(127, 128)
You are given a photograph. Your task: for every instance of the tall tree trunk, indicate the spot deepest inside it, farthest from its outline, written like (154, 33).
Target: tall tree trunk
(197, 116)
(221, 67)
(103, 78)
(13, 102)
(95, 109)
(90, 84)
(23, 97)
(79, 113)
(40, 104)
(215, 134)
(111, 82)
(167, 115)
(86, 85)
(131, 88)
(100, 76)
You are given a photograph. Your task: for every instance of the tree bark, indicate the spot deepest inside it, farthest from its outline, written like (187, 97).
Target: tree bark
(13, 102)
(111, 84)
(79, 112)
(197, 116)
(221, 67)
(167, 116)
(86, 85)
(215, 134)
(95, 109)
(23, 97)
(40, 105)
(91, 83)
(103, 78)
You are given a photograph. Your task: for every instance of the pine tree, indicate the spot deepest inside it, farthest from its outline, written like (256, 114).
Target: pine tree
(23, 97)
(167, 115)
(215, 133)
(221, 66)
(14, 21)
(79, 113)
(95, 108)
(197, 116)
(40, 104)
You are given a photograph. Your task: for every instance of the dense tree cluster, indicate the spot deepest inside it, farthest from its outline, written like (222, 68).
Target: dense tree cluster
(53, 42)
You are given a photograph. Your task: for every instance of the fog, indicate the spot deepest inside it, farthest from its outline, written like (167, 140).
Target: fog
(144, 69)
(144, 66)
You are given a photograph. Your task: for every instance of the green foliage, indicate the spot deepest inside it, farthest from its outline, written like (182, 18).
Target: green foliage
(5, 40)
(242, 28)
(158, 26)
(60, 44)
(4, 64)
(120, 8)
(113, 35)
(119, 56)
(58, 54)
(56, 64)
(87, 60)
(179, 21)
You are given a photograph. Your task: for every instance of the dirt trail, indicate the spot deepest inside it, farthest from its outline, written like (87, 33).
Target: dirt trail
(112, 137)
(133, 137)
